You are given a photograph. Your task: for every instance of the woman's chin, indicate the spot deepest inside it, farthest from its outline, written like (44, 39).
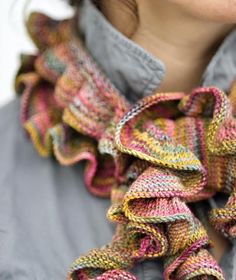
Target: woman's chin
(222, 11)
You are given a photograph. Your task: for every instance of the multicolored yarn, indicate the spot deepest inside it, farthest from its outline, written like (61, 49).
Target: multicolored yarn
(151, 158)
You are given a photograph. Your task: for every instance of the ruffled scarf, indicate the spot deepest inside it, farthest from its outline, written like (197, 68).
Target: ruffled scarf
(151, 158)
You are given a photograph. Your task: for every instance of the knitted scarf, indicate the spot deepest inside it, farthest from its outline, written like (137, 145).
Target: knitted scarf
(152, 158)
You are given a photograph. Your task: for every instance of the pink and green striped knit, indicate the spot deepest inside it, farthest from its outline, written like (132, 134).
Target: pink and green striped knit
(151, 158)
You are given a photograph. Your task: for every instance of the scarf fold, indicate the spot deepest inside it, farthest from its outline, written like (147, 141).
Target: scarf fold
(152, 158)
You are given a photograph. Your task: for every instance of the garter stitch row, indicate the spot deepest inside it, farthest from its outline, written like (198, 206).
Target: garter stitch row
(151, 158)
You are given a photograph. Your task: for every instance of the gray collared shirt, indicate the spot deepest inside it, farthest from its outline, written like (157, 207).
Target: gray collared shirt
(47, 216)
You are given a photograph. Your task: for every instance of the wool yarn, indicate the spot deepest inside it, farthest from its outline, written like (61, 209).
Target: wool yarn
(152, 158)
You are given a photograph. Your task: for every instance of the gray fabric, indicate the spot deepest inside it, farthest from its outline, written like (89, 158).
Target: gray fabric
(47, 217)
(221, 70)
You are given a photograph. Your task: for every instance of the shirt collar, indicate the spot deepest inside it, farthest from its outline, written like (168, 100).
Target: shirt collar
(135, 71)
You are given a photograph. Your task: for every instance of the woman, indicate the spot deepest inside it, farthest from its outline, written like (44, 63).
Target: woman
(134, 132)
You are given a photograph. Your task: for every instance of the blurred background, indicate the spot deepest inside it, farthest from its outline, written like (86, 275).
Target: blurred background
(14, 39)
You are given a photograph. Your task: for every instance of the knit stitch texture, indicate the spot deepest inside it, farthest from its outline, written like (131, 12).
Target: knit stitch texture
(151, 158)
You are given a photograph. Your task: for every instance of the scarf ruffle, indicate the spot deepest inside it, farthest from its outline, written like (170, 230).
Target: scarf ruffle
(151, 158)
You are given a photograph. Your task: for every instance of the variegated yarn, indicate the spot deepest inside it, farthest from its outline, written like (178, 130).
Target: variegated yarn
(151, 158)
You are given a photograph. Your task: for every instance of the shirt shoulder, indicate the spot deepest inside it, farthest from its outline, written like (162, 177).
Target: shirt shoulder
(9, 112)
(13, 138)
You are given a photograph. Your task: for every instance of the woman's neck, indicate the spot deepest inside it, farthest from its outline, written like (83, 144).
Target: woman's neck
(183, 42)
(166, 28)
